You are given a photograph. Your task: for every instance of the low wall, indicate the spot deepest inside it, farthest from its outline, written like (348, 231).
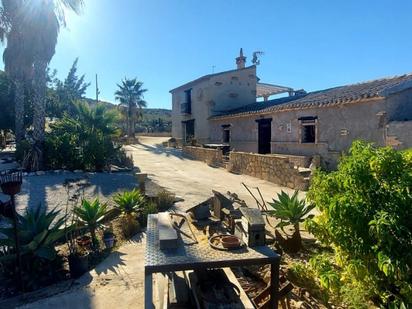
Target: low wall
(155, 134)
(208, 155)
(274, 168)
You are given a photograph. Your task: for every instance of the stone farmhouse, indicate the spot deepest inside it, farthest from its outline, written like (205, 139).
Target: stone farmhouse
(223, 109)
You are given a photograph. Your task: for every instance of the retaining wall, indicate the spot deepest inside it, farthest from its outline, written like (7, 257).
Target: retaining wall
(273, 168)
(208, 155)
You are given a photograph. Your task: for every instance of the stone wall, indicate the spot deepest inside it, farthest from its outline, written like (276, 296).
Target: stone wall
(399, 134)
(210, 156)
(273, 168)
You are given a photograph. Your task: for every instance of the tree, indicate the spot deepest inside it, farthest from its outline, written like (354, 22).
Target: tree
(31, 28)
(17, 57)
(130, 96)
(6, 107)
(64, 94)
(45, 19)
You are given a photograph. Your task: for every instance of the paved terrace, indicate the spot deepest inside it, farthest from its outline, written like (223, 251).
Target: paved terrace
(192, 180)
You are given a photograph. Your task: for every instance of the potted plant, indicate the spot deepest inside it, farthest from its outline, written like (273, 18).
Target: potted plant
(91, 214)
(78, 263)
(78, 257)
(108, 238)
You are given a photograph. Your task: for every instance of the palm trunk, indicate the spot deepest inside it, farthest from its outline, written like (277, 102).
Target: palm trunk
(130, 131)
(39, 115)
(19, 110)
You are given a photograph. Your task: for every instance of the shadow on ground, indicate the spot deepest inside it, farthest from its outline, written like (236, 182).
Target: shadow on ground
(49, 190)
(159, 149)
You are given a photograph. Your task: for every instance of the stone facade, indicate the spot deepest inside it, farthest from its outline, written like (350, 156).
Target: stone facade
(273, 168)
(211, 156)
(210, 95)
(336, 128)
(399, 134)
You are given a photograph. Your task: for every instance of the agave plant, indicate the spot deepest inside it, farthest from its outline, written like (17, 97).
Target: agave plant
(39, 232)
(91, 214)
(291, 211)
(130, 202)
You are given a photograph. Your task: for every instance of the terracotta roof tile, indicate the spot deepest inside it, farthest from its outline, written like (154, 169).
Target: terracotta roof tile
(328, 97)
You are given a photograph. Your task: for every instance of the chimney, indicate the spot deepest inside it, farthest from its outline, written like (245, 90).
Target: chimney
(241, 60)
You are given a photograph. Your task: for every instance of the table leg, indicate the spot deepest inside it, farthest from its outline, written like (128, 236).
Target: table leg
(274, 285)
(148, 290)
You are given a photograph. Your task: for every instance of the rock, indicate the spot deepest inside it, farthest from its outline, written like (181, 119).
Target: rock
(78, 171)
(40, 173)
(57, 171)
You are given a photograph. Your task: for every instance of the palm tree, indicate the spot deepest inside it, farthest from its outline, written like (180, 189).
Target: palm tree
(17, 57)
(31, 30)
(130, 96)
(45, 20)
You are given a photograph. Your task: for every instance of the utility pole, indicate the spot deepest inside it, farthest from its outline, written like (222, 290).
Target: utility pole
(97, 91)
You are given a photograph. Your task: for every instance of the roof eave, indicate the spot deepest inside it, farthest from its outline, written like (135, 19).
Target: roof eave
(285, 108)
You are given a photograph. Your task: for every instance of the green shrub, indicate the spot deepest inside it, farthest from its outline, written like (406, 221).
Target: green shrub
(165, 200)
(304, 276)
(130, 226)
(150, 208)
(130, 202)
(82, 142)
(366, 211)
(39, 232)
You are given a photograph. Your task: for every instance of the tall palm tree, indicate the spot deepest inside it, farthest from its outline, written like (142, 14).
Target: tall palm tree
(45, 18)
(17, 56)
(31, 31)
(130, 95)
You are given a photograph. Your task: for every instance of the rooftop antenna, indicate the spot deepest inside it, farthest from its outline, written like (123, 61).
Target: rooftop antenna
(256, 57)
(97, 91)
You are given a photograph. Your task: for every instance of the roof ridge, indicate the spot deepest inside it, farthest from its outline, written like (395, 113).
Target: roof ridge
(373, 80)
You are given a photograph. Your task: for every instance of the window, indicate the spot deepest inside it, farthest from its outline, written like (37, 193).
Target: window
(308, 129)
(188, 94)
(226, 133)
(186, 107)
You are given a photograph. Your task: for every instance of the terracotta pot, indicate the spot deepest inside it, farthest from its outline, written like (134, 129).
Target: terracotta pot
(230, 241)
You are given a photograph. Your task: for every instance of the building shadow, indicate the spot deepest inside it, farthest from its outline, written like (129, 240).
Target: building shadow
(159, 149)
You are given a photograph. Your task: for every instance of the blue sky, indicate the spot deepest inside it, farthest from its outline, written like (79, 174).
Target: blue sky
(308, 44)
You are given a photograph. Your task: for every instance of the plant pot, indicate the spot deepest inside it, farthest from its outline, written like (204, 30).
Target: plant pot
(108, 241)
(230, 241)
(84, 241)
(78, 264)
